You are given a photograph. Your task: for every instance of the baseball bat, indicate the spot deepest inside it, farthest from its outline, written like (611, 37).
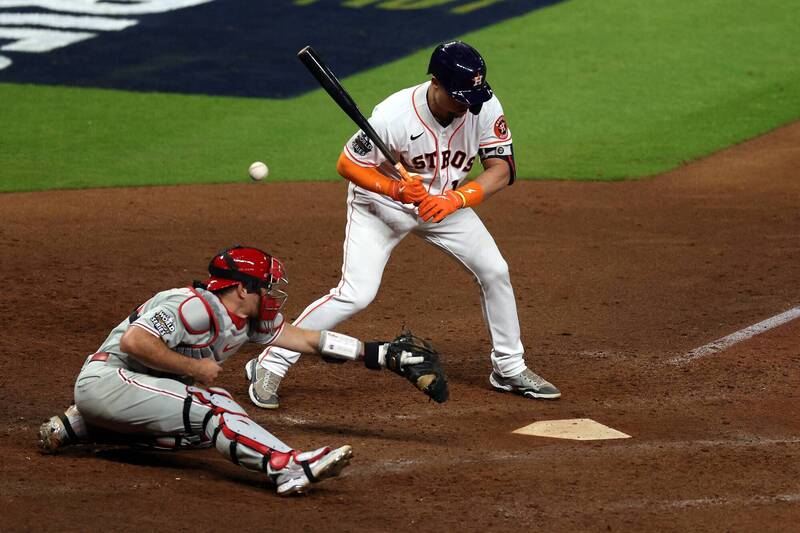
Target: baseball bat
(314, 63)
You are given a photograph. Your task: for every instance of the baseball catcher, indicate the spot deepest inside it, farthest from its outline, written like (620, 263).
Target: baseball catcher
(150, 382)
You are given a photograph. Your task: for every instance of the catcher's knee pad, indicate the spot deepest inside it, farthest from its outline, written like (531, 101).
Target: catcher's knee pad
(216, 397)
(246, 443)
(214, 400)
(201, 404)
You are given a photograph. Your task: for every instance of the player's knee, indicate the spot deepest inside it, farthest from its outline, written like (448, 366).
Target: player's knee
(202, 403)
(362, 302)
(360, 299)
(494, 272)
(221, 391)
(92, 405)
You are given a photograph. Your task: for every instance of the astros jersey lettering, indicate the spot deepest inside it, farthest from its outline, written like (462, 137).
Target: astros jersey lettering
(442, 155)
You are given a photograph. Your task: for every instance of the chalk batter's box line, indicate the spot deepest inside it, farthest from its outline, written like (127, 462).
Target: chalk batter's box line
(739, 336)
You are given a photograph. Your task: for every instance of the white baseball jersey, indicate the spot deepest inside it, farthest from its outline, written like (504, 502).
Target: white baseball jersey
(194, 323)
(442, 155)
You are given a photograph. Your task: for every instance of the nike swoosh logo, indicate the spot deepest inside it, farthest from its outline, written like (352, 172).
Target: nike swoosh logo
(228, 347)
(415, 137)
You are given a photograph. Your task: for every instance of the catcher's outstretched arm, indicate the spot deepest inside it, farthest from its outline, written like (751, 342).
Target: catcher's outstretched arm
(324, 343)
(406, 355)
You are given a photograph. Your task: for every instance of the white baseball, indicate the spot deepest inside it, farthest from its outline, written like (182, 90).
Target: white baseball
(258, 171)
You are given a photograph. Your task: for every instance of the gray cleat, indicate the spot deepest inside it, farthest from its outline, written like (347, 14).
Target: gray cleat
(526, 383)
(264, 385)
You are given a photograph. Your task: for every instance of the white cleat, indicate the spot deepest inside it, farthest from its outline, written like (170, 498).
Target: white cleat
(294, 472)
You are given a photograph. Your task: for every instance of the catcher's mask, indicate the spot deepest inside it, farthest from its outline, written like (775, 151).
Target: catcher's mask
(255, 270)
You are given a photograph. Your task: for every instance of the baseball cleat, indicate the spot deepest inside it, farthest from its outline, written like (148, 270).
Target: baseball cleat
(62, 430)
(264, 385)
(527, 384)
(294, 472)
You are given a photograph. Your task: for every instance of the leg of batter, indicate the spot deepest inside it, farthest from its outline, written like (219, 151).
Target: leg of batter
(372, 232)
(463, 236)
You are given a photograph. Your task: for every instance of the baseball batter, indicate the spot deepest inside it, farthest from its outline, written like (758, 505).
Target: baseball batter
(149, 382)
(436, 129)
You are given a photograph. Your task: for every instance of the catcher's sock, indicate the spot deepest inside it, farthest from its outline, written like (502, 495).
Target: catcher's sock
(75, 423)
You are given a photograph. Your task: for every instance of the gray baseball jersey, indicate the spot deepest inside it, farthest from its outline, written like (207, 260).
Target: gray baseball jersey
(192, 322)
(116, 392)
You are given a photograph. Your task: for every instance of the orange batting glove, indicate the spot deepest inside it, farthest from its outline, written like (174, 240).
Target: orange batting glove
(410, 191)
(436, 208)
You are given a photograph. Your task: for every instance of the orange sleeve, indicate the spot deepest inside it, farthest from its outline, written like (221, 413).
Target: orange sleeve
(471, 194)
(368, 178)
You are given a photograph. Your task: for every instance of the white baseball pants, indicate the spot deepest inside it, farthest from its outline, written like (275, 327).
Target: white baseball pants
(372, 232)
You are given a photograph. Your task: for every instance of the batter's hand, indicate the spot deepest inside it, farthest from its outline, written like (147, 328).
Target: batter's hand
(436, 208)
(414, 191)
(410, 191)
(205, 371)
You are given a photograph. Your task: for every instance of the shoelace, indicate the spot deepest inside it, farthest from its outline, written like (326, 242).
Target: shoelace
(272, 382)
(534, 379)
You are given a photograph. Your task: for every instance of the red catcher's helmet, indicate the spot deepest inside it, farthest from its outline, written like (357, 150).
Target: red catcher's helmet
(254, 269)
(251, 267)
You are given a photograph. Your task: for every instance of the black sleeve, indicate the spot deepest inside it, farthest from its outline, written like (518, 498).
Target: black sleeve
(506, 153)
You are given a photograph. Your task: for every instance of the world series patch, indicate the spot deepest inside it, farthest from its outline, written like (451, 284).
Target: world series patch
(362, 145)
(163, 323)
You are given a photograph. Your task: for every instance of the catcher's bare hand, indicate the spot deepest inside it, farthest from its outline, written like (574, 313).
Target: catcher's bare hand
(205, 371)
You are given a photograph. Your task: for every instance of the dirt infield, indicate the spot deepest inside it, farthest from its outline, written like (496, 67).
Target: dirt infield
(612, 280)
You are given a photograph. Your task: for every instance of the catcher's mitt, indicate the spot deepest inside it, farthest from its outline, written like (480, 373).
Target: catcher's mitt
(417, 361)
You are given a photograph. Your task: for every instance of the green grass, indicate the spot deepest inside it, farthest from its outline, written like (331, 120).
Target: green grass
(592, 90)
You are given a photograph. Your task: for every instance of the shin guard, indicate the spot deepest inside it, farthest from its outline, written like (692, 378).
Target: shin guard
(226, 425)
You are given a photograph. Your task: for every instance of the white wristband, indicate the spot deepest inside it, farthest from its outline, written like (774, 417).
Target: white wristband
(382, 350)
(339, 346)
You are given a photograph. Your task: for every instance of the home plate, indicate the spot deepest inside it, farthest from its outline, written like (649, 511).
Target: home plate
(574, 429)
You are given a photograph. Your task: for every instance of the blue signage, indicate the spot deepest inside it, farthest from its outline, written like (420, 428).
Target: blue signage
(224, 47)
